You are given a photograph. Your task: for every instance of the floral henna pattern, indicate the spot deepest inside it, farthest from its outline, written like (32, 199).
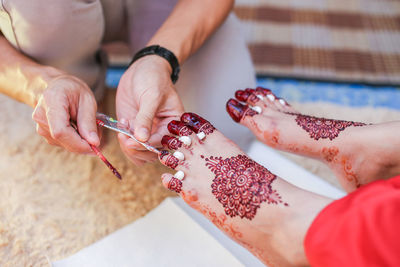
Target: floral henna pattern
(241, 185)
(175, 185)
(323, 128)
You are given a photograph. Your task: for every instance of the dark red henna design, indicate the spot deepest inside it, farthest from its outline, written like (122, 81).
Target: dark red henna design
(263, 91)
(237, 110)
(241, 185)
(179, 128)
(242, 95)
(323, 128)
(168, 159)
(170, 142)
(197, 123)
(175, 185)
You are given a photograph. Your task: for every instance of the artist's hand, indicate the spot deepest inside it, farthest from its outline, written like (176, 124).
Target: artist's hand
(67, 98)
(147, 100)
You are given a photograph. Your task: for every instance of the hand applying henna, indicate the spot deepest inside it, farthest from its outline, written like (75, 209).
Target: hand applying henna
(241, 197)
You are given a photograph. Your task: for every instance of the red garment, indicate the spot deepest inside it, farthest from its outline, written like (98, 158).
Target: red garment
(361, 229)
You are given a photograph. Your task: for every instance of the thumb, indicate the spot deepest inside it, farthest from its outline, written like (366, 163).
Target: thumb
(86, 120)
(144, 120)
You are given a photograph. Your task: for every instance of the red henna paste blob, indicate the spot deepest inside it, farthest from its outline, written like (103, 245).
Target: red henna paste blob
(168, 159)
(179, 128)
(241, 185)
(323, 128)
(171, 142)
(237, 110)
(175, 185)
(197, 123)
(242, 95)
(263, 91)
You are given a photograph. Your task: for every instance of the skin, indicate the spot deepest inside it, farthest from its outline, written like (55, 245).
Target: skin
(333, 141)
(146, 97)
(272, 224)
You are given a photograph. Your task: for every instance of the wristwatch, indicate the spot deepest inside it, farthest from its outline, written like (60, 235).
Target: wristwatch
(162, 52)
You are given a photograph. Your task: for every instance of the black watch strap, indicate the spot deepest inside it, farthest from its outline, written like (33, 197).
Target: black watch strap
(162, 52)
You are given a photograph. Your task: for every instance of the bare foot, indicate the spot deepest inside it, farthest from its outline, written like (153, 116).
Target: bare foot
(253, 206)
(356, 152)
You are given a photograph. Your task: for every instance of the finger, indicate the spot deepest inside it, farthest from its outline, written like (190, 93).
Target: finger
(171, 183)
(129, 144)
(144, 120)
(62, 131)
(137, 157)
(44, 132)
(86, 120)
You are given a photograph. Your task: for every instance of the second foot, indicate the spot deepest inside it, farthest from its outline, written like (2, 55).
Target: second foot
(244, 199)
(349, 148)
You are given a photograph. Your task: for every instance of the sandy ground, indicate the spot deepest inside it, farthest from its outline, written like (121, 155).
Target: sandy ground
(54, 203)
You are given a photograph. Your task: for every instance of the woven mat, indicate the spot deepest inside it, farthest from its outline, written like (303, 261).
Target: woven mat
(347, 40)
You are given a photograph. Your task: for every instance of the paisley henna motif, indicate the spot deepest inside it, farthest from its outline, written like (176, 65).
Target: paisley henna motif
(323, 128)
(241, 185)
(175, 185)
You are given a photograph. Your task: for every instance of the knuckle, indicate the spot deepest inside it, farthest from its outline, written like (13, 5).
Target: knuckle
(57, 134)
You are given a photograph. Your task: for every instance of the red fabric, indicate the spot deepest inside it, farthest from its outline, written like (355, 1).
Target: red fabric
(361, 229)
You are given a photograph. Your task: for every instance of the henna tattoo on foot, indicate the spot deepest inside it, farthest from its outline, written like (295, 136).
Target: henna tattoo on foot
(197, 123)
(237, 110)
(170, 160)
(179, 128)
(170, 142)
(323, 128)
(241, 185)
(175, 185)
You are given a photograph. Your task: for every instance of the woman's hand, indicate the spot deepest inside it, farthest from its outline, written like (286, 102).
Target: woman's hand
(67, 98)
(146, 103)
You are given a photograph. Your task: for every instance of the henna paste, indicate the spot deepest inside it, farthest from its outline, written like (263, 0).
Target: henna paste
(197, 123)
(237, 110)
(168, 160)
(241, 185)
(323, 128)
(179, 128)
(330, 153)
(175, 185)
(171, 142)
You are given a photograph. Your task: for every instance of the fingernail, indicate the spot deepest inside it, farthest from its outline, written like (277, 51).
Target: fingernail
(171, 142)
(179, 128)
(142, 134)
(197, 123)
(94, 138)
(242, 95)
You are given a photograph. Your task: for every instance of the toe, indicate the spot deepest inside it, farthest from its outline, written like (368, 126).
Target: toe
(172, 183)
(168, 159)
(239, 111)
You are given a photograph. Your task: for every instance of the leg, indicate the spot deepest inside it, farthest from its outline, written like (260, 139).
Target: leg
(65, 35)
(356, 152)
(208, 76)
(254, 207)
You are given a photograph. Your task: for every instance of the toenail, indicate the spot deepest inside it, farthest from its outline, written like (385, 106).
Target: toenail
(271, 97)
(179, 155)
(257, 109)
(201, 135)
(283, 102)
(260, 97)
(179, 175)
(185, 140)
